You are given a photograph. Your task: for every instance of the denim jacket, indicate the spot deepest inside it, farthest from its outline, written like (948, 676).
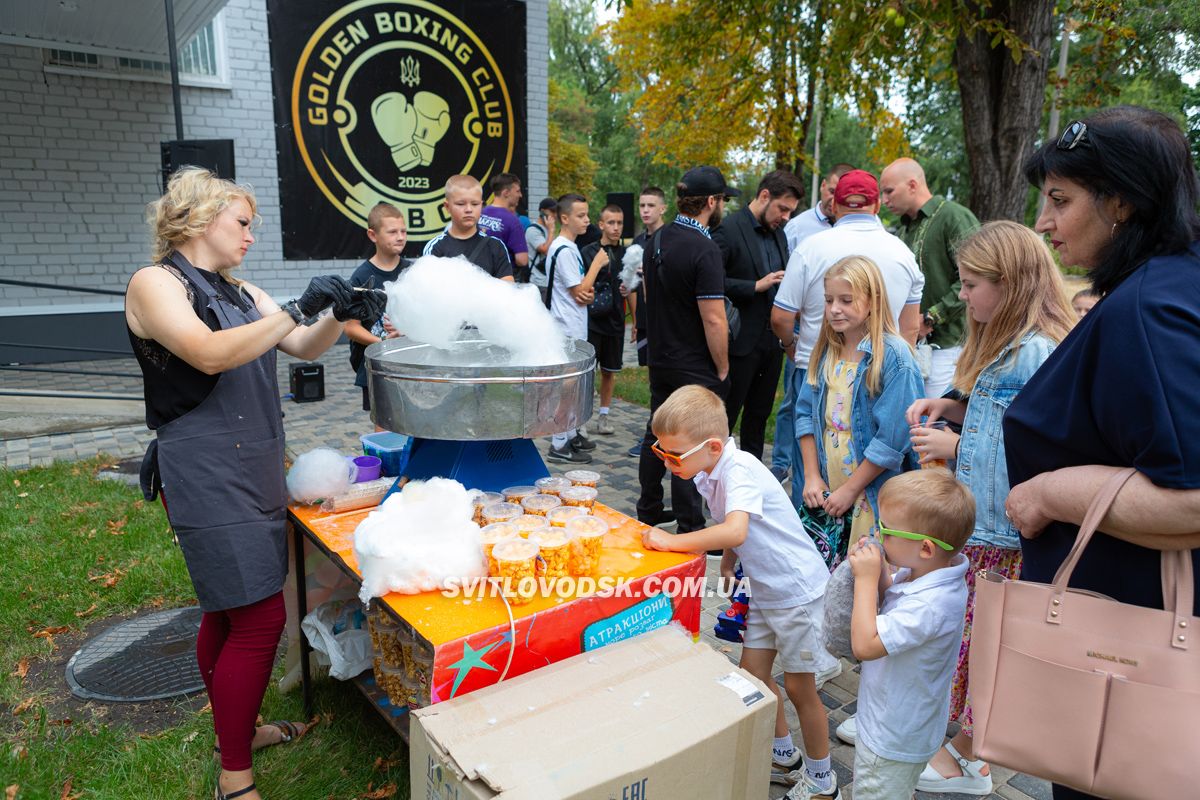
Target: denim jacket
(878, 432)
(981, 464)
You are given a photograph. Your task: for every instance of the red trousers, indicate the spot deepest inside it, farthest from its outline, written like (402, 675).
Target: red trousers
(236, 651)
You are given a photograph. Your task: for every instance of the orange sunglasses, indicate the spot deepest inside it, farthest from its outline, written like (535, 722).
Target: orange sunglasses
(677, 458)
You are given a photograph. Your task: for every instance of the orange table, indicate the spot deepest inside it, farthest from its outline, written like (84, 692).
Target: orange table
(472, 638)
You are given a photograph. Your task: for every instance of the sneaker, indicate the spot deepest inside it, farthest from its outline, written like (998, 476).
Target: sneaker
(581, 442)
(805, 789)
(970, 782)
(667, 519)
(636, 450)
(786, 773)
(848, 731)
(568, 455)
(604, 426)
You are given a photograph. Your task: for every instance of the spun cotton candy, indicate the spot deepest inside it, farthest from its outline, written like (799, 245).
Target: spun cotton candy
(435, 297)
(318, 474)
(631, 262)
(417, 538)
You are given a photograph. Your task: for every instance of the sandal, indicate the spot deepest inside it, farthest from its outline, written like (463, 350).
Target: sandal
(288, 731)
(218, 796)
(971, 782)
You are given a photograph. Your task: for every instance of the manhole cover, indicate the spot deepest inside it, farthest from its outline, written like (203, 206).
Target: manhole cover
(148, 658)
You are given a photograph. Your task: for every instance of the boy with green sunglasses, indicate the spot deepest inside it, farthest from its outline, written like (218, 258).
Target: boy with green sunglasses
(907, 626)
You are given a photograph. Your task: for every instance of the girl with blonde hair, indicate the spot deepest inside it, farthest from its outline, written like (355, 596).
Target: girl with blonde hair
(1017, 313)
(206, 343)
(861, 378)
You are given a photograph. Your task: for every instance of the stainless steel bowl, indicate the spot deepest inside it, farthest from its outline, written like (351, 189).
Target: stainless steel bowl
(421, 391)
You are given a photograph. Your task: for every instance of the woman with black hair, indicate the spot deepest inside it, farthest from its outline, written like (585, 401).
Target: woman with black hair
(1123, 389)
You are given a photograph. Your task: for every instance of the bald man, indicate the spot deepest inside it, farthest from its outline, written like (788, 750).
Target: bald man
(932, 227)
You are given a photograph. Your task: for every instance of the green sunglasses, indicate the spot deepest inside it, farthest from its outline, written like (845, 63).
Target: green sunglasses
(916, 537)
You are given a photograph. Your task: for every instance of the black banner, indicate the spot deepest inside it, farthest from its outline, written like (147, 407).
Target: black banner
(383, 100)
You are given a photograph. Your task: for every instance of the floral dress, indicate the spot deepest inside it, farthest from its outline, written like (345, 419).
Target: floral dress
(840, 462)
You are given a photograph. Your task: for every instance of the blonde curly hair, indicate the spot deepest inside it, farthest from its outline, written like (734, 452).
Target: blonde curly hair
(194, 198)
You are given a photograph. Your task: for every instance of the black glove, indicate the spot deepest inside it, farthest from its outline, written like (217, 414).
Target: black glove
(324, 291)
(365, 307)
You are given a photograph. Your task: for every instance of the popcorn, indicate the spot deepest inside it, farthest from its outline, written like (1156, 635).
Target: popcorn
(583, 477)
(557, 517)
(501, 512)
(516, 567)
(492, 535)
(529, 523)
(551, 485)
(540, 503)
(481, 501)
(587, 541)
(554, 548)
(584, 496)
(515, 494)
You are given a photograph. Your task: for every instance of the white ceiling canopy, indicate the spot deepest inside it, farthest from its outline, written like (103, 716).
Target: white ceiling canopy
(134, 26)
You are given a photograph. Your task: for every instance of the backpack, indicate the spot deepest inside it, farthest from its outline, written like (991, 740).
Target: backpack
(537, 263)
(549, 298)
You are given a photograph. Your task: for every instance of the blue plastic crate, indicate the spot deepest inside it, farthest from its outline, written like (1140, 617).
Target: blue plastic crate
(390, 448)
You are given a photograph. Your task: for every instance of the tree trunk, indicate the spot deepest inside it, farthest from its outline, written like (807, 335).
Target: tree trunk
(1002, 105)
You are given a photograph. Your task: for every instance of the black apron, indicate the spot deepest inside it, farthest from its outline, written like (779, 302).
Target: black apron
(221, 472)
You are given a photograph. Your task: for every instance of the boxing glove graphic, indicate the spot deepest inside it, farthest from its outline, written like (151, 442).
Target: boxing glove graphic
(411, 130)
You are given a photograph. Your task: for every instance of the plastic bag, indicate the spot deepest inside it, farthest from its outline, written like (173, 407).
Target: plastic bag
(337, 631)
(839, 608)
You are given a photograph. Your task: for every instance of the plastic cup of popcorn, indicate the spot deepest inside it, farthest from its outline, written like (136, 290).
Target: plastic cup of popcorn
(501, 512)
(558, 517)
(582, 496)
(493, 534)
(554, 547)
(423, 672)
(552, 485)
(482, 500)
(583, 477)
(392, 681)
(515, 494)
(540, 504)
(516, 567)
(530, 523)
(587, 541)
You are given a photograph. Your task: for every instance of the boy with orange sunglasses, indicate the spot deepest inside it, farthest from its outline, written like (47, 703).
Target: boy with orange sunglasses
(784, 573)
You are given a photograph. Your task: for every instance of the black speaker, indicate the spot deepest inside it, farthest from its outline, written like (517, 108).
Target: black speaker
(307, 382)
(625, 201)
(213, 154)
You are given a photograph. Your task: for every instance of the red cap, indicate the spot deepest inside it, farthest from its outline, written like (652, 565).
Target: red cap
(856, 182)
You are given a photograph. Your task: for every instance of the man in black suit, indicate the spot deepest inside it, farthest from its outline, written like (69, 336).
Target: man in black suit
(755, 253)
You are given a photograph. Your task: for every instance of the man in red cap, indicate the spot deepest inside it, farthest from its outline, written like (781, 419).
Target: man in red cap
(856, 232)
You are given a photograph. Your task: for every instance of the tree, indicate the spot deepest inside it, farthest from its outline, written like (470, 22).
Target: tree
(572, 168)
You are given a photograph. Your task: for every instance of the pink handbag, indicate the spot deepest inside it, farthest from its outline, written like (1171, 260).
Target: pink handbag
(1084, 691)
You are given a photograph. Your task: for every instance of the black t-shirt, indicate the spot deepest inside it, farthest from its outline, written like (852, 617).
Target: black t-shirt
(606, 314)
(1123, 389)
(691, 270)
(485, 252)
(171, 386)
(364, 273)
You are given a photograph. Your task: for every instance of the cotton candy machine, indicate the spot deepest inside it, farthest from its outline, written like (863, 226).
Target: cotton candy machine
(471, 415)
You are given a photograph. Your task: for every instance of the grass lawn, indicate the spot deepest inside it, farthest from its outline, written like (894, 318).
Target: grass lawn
(79, 549)
(633, 386)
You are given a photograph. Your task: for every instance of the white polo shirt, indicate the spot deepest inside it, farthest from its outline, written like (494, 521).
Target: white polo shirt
(904, 697)
(568, 273)
(803, 287)
(779, 560)
(804, 225)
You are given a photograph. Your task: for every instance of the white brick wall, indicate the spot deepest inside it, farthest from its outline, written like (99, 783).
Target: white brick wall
(79, 161)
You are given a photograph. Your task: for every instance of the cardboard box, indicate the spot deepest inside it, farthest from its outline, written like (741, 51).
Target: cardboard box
(655, 717)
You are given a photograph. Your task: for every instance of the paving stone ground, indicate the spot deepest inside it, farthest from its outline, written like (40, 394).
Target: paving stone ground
(338, 421)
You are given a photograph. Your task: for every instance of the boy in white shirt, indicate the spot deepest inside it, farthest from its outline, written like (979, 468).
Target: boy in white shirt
(570, 292)
(785, 574)
(908, 639)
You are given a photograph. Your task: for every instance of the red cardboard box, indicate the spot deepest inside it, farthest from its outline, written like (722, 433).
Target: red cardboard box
(475, 644)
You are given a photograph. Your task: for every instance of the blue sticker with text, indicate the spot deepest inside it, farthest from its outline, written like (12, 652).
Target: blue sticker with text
(653, 612)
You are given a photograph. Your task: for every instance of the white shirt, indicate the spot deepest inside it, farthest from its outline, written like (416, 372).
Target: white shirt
(568, 272)
(804, 225)
(803, 286)
(780, 562)
(904, 697)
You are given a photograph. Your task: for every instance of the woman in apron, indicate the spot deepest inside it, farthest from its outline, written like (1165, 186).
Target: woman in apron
(206, 344)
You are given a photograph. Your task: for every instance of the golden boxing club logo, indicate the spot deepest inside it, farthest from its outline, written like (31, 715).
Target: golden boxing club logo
(392, 97)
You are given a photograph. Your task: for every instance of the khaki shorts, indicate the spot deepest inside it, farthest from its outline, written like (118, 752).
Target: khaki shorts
(794, 633)
(879, 778)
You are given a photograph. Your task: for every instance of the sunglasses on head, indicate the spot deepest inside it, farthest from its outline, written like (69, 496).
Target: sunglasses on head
(1073, 135)
(677, 458)
(916, 537)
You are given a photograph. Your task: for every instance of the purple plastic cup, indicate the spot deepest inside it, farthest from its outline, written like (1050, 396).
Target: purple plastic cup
(368, 468)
